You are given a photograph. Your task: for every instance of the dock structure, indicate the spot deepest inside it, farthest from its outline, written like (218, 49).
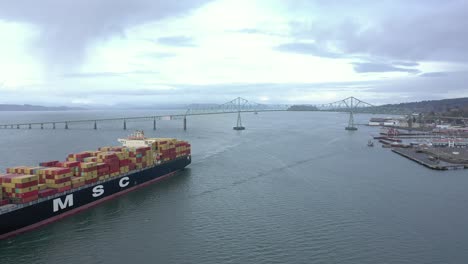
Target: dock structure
(424, 159)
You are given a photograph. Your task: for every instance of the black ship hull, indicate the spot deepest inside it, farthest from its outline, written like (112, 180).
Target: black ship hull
(57, 207)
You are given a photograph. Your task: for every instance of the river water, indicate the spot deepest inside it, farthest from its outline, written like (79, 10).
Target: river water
(295, 187)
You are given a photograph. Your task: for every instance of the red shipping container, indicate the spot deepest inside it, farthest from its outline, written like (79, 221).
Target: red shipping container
(88, 169)
(48, 163)
(62, 189)
(24, 195)
(3, 202)
(25, 200)
(60, 171)
(124, 162)
(70, 164)
(91, 181)
(52, 177)
(25, 185)
(58, 181)
(6, 178)
(1, 177)
(47, 192)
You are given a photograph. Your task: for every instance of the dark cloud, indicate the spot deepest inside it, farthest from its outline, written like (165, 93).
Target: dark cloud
(363, 67)
(449, 84)
(68, 27)
(396, 30)
(177, 41)
(308, 49)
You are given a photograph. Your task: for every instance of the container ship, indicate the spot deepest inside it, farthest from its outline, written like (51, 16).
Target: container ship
(31, 197)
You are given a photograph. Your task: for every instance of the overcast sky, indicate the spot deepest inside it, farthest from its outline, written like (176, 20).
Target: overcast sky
(147, 52)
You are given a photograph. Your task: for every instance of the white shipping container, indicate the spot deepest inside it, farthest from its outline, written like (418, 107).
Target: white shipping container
(392, 123)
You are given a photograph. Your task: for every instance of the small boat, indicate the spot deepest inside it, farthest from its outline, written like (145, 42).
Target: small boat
(370, 143)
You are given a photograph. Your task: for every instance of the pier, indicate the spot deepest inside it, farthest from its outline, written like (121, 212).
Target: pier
(425, 159)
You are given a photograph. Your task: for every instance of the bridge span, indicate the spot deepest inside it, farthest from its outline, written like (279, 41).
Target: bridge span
(237, 106)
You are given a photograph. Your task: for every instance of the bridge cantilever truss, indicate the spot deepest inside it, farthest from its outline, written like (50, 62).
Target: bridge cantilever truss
(351, 105)
(238, 104)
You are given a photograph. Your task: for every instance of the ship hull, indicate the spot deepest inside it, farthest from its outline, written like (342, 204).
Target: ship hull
(45, 212)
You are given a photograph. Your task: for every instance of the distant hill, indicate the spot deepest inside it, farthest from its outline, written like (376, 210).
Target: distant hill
(448, 107)
(302, 108)
(26, 107)
(457, 107)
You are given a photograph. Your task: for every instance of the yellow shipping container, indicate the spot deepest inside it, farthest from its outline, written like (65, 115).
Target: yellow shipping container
(89, 175)
(41, 186)
(59, 185)
(20, 190)
(78, 179)
(60, 176)
(95, 153)
(86, 165)
(24, 179)
(104, 177)
(89, 159)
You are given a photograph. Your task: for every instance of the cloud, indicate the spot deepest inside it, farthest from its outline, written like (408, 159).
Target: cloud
(434, 74)
(258, 31)
(177, 41)
(447, 85)
(105, 74)
(383, 29)
(362, 67)
(251, 31)
(68, 27)
(307, 49)
(157, 55)
(406, 63)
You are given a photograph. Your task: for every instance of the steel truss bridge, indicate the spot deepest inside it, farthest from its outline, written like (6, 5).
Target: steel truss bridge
(237, 106)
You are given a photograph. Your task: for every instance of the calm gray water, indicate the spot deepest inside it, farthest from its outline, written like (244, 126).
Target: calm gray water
(292, 188)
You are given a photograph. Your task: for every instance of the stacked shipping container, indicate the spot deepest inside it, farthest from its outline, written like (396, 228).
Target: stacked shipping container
(24, 184)
(20, 188)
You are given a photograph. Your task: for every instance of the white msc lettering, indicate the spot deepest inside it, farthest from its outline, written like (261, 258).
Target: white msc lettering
(124, 182)
(98, 191)
(59, 205)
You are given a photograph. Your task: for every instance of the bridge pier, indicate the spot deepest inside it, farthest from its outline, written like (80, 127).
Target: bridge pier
(239, 122)
(17, 126)
(66, 125)
(351, 126)
(125, 124)
(29, 126)
(53, 125)
(185, 123)
(42, 125)
(95, 125)
(154, 123)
